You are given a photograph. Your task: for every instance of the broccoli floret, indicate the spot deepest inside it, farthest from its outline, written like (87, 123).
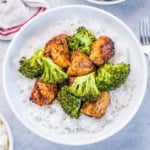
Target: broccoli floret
(112, 76)
(82, 40)
(69, 103)
(52, 73)
(31, 67)
(39, 66)
(85, 87)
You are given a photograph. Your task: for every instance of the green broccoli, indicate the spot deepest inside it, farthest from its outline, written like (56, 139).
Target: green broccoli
(52, 73)
(112, 76)
(69, 103)
(39, 66)
(85, 87)
(31, 67)
(82, 40)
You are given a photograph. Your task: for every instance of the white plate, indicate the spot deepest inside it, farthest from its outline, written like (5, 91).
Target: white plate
(10, 138)
(100, 2)
(97, 18)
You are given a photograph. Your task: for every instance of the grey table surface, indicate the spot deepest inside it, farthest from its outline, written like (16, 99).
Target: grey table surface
(135, 136)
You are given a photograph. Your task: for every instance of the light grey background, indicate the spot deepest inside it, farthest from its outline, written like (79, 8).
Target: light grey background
(135, 136)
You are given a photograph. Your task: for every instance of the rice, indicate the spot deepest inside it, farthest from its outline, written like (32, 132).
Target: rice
(53, 116)
(4, 143)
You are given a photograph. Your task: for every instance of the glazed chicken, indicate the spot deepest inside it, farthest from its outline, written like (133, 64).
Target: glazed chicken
(102, 50)
(96, 109)
(57, 48)
(80, 64)
(70, 80)
(43, 93)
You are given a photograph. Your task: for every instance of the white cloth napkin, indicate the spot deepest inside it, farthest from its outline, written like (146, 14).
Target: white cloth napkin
(15, 13)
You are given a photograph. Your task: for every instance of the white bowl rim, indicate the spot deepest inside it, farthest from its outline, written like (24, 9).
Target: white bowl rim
(10, 137)
(105, 3)
(91, 141)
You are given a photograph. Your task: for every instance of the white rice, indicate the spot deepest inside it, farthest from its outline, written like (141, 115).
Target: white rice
(53, 116)
(4, 143)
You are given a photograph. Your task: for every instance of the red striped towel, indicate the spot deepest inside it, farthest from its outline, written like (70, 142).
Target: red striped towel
(14, 14)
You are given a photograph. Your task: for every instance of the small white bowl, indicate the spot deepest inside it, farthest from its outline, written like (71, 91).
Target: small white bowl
(10, 138)
(105, 2)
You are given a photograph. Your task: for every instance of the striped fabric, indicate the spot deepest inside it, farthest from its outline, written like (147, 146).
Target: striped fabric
(7, 33)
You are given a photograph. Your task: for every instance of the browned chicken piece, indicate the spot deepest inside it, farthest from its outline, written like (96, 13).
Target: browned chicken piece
(43, 93)
(70, 80)
(80, 64)
(102, 50)
(57, 48)
(97, 109)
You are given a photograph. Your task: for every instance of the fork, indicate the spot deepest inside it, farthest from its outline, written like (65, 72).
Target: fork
(145, 35)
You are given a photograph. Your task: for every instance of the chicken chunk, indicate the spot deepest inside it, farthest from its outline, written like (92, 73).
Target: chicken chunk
(80, 64)
(96, 109)
(71, 80)
(102, 50)
(57, 48)
(43, 93)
